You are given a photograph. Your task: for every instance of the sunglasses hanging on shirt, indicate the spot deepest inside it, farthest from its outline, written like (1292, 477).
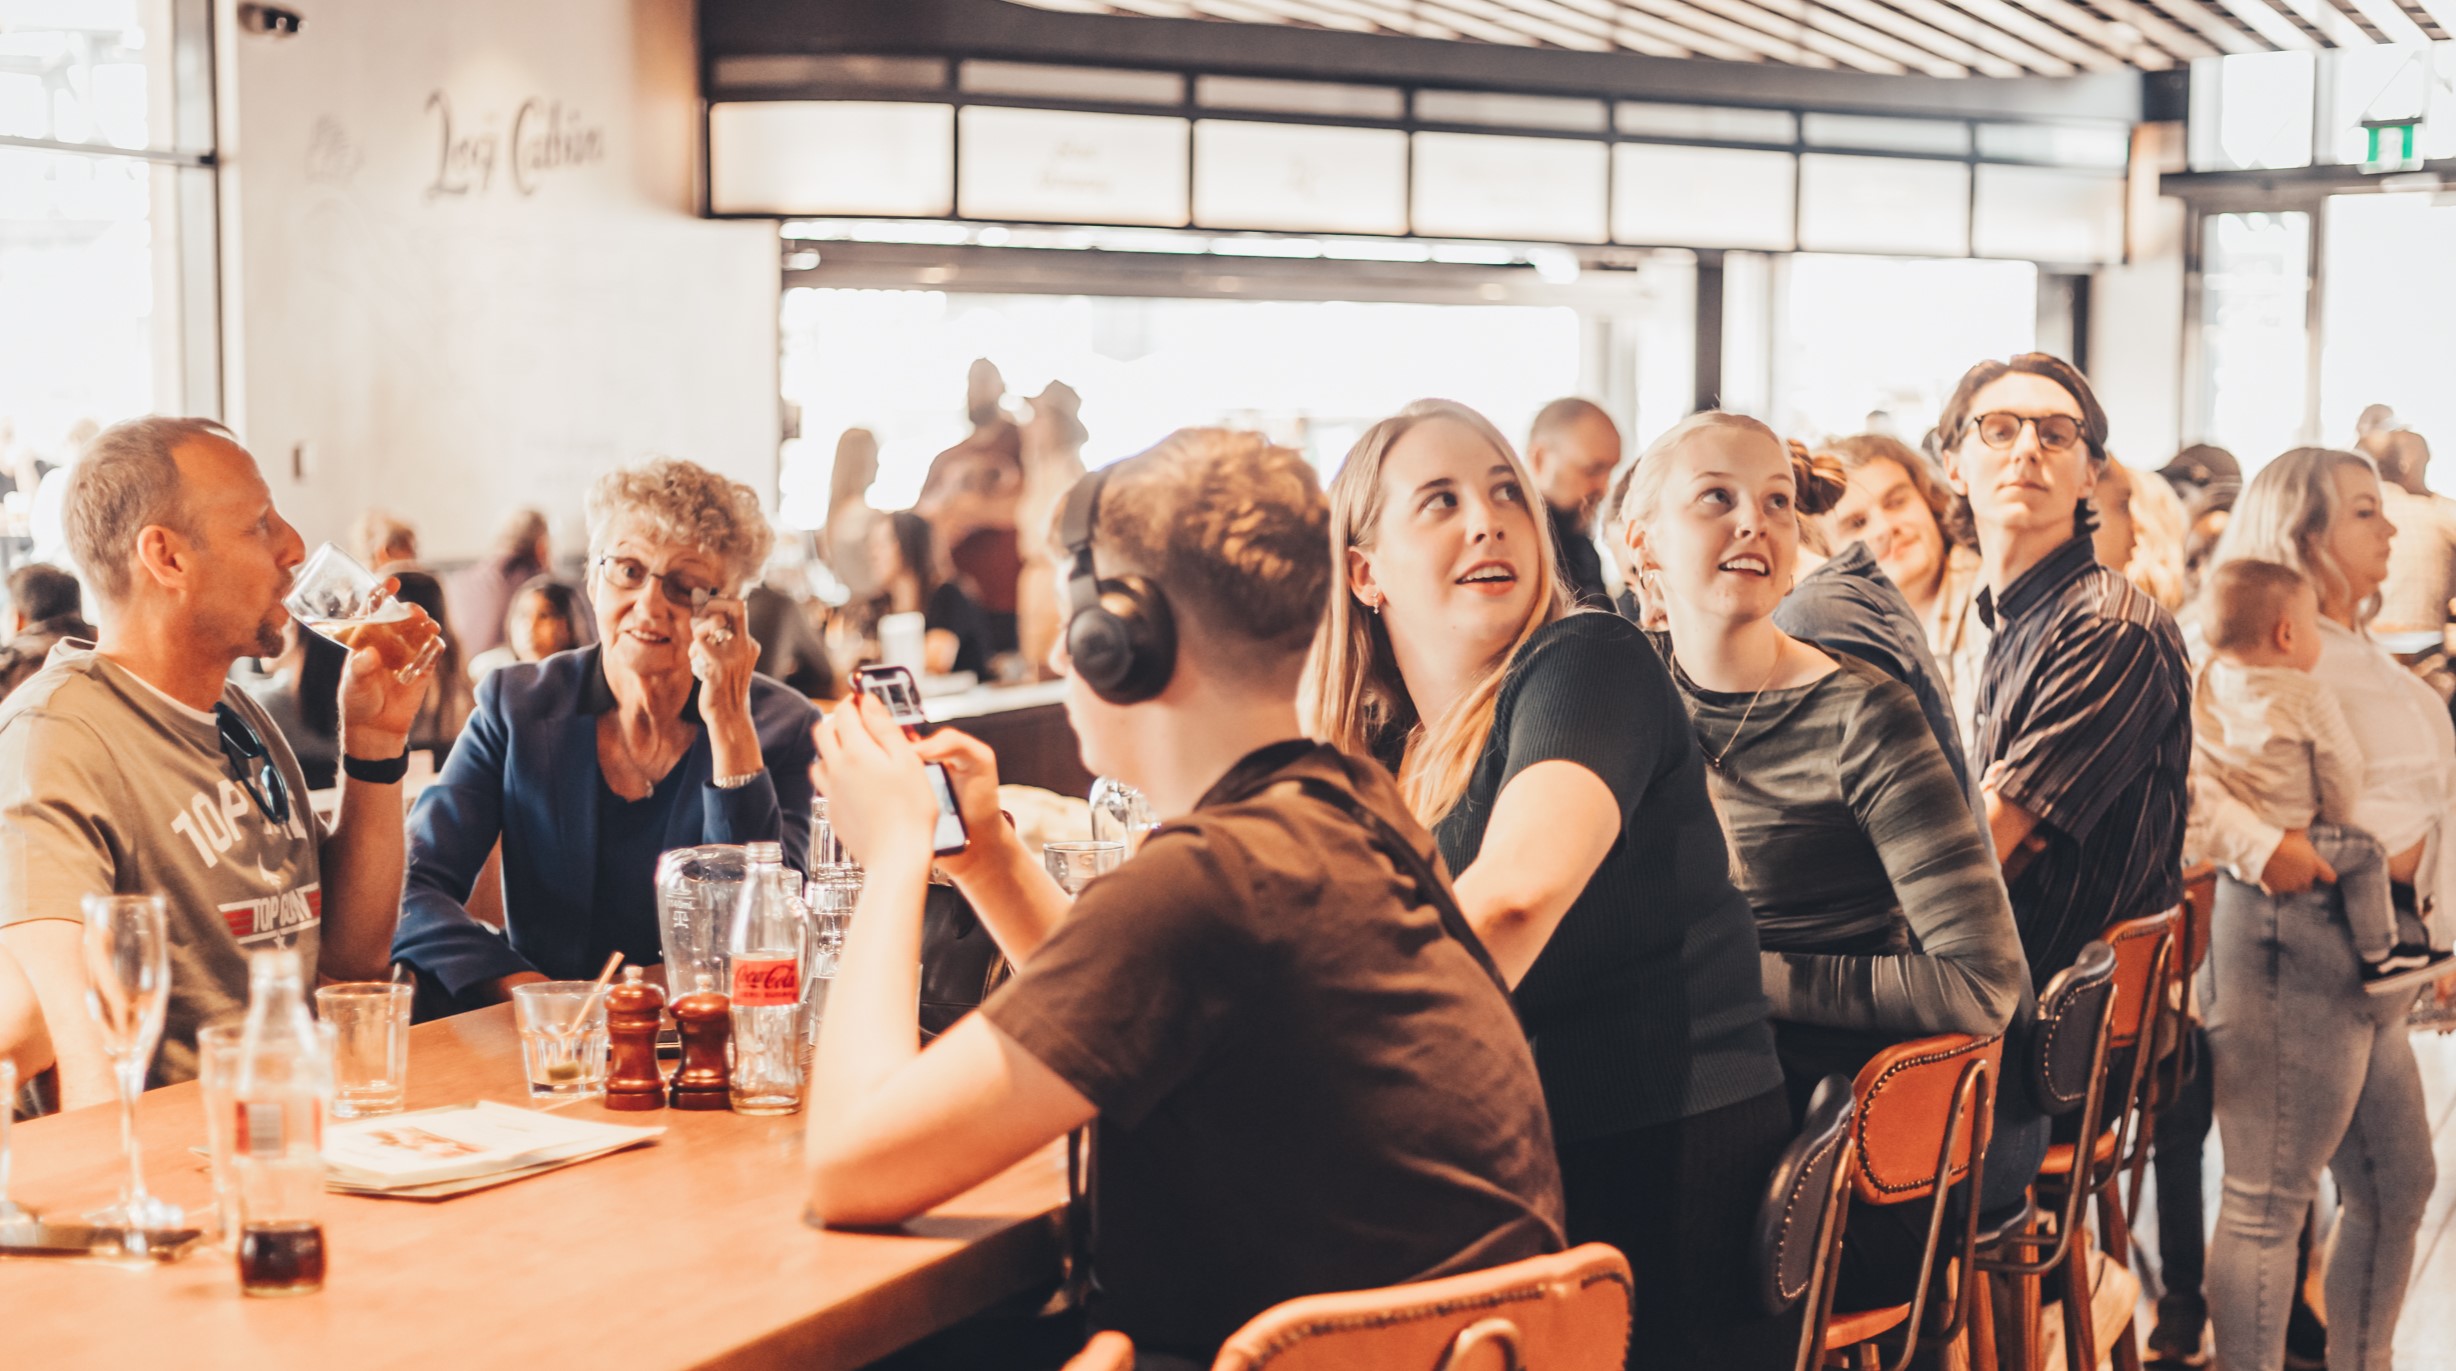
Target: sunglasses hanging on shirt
(253, 763)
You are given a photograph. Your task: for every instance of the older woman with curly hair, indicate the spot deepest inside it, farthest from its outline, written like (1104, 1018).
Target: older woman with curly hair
(587, 765)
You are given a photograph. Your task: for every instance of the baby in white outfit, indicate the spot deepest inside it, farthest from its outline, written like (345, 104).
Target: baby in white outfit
(2277, 739)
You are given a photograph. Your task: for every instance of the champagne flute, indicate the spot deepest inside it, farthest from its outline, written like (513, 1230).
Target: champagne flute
(342, 600)
(127, 991)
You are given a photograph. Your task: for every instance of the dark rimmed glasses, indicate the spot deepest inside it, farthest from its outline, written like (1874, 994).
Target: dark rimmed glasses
(2000, 429)
(625, 573)
(253, 761)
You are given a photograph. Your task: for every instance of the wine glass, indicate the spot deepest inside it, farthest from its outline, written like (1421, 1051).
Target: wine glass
(127, 990)
(342, 600)
(1120, 814)
(1076, 865)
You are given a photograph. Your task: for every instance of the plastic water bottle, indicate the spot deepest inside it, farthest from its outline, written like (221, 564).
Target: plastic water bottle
(285, 1085)
(764, 952)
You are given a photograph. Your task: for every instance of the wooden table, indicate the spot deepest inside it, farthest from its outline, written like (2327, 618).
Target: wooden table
(688, 1252)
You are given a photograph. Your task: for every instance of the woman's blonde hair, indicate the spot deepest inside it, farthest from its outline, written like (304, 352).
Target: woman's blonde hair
(2160, 528)
(2283, 516)
(1353, 696)
(1820, 478)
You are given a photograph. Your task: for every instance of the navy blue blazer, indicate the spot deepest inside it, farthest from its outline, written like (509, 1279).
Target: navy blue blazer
(525, 770)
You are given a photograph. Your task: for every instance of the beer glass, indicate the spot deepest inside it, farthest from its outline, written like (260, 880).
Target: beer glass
(344, 601)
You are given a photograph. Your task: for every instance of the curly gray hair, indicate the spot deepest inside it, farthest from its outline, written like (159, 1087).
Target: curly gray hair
(685, 503)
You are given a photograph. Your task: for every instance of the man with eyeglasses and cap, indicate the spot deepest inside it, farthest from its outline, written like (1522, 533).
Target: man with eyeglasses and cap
(134, 766)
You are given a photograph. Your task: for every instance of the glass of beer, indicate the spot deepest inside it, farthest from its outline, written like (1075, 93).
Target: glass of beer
(345, 602)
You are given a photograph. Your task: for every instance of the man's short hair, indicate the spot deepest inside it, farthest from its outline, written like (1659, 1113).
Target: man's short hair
(126, 481)
(1561, 413)
(2246, 600)
(1236, 531)
(42, 592)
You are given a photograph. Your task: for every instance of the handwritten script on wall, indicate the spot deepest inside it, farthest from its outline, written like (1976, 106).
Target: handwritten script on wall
(544, 138)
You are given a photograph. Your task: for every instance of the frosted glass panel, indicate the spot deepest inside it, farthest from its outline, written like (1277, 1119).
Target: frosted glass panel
(1099, 85)
(2072, 145)
(2252, 111)
(1071, 167)
(1701, 197)
(1478, 186)
(1300, 97)
(1719, 123)
(1887, 135)
(2065, 217)
(831, 157)
(1299, 177)
(1519, 111)
(1883, 204)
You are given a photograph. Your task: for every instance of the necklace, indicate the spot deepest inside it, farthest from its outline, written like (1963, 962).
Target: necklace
(1715, 760)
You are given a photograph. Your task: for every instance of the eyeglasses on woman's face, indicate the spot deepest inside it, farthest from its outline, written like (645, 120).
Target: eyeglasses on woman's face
(681, 591)
(2000, 429)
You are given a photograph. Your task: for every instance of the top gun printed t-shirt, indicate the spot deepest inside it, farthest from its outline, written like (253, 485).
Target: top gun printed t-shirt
(109, 785)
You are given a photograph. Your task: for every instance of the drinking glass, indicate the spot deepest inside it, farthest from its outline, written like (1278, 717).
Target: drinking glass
(563, 1051)
(342, 600)
(370, 1023)
(1120, 814)
(218, 1060)
(698, 889)
(127, 991)
(12, 1214)
(826, 850)
(830, 895)
(1074, 865)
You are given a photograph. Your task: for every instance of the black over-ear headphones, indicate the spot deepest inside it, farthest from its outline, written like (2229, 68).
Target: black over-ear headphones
(1119, 632)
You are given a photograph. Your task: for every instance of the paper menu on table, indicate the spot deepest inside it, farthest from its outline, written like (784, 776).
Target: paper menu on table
(458, 1143)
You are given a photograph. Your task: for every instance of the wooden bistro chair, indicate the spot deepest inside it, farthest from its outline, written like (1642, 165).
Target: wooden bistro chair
(2067, 1070)
(1565, 1312)
(2144, 950)
(1926, 1108)
(1798, 1237)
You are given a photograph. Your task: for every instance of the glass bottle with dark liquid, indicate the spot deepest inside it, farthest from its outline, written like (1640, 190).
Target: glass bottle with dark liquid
(281, 1258)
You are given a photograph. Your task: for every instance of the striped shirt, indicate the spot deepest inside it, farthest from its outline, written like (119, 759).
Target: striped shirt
(2086, 700)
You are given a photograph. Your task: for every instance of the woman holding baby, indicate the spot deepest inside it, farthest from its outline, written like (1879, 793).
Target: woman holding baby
(2310, 1070)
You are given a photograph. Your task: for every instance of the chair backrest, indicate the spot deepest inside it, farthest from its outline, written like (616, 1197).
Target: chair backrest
(2143, 949)
(1797, 1209)
(2199, 902)
(1564, 1312)
(1907, 1097)
(2069, 1043)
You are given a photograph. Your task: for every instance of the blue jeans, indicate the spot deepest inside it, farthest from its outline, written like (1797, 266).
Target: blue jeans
(2310, 1072)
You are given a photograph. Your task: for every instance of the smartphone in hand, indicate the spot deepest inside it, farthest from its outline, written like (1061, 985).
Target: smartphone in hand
(894, 687)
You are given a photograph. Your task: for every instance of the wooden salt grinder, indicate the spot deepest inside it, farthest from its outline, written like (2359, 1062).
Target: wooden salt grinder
(706, 1020)
(631, 1014)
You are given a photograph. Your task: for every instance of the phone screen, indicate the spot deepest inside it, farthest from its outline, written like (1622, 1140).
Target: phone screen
(895, 688)
(951, 836)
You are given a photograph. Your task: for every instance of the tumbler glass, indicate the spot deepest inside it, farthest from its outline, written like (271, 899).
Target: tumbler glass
(370, 1021)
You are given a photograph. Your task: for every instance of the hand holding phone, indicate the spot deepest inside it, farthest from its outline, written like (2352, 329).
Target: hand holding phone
(895, 688)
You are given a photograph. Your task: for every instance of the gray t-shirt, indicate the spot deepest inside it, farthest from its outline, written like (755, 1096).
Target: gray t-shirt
(108, 785)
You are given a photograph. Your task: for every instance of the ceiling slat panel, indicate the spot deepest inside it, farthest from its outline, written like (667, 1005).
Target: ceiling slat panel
(1942, 38)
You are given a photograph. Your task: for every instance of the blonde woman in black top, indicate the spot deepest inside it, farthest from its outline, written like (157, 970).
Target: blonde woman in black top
(1547, 751)
(1881, 910)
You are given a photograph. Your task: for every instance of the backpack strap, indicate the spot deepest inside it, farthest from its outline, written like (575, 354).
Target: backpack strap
(1431, 885)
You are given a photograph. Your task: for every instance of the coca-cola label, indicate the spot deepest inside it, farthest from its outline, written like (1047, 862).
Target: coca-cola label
(767, 983)
(260, 1128)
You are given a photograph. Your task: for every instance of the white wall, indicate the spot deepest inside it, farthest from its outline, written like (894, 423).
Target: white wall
(2136, 316)
(452, 333)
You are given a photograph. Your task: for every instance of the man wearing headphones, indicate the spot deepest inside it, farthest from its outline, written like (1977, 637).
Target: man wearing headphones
(1301, 1071)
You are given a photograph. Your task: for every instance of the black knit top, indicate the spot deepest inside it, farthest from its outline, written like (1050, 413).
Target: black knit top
(1645, 1006)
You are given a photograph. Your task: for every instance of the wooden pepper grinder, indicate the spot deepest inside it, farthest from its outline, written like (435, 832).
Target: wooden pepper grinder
(631, 1013)
(706, 1020)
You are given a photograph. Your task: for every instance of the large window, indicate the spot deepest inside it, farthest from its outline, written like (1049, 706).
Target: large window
(1311, 374)
(2388, 312)
(2255, 344)
(101, 164)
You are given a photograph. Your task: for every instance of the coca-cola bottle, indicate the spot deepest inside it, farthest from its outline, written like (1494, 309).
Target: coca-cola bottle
(764, 956)
(285, 1085)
